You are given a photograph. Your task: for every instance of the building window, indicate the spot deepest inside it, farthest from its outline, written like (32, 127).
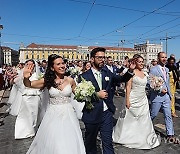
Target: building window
(32, 54)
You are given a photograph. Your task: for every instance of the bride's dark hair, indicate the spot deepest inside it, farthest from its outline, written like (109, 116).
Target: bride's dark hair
(31, 60)
(49, 75)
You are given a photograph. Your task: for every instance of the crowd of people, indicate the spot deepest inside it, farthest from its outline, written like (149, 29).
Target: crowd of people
(42, 99)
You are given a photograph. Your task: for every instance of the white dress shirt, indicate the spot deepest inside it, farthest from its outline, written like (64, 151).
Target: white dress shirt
(100, 86)
(163, 70)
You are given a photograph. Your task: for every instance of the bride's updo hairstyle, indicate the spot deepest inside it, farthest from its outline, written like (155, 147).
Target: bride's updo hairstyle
(137, 56)
(49, 75)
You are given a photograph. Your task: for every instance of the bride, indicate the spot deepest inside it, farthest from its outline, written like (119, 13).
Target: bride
(135, 129)
(59, 132)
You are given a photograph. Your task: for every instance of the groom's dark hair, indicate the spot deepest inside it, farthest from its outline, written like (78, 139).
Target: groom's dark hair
(95, 50)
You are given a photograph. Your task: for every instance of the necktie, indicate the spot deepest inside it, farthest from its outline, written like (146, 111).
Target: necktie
(98, 78)
(164, 73)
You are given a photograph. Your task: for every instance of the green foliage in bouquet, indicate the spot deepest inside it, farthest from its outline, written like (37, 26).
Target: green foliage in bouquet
(85, 92)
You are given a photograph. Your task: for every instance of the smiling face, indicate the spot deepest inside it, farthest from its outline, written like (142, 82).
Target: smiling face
(162, 58)
(88, 66)
(140, 63)
(59, 66)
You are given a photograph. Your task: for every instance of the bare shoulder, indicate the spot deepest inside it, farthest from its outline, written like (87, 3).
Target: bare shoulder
(70, 80)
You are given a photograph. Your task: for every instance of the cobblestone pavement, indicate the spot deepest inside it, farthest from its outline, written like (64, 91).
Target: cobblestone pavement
(8, 145)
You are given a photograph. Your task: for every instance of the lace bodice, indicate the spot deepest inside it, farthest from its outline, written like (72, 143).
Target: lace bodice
(60, 96)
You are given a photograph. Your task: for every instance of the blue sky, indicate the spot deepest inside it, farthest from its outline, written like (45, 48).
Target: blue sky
(80, 22)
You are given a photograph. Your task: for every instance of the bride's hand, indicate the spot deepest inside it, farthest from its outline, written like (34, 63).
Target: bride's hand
(128, 104)
(28, 69)
(132, 64)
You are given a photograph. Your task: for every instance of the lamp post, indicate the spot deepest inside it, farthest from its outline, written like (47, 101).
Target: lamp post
(122, 41)
(166, 39)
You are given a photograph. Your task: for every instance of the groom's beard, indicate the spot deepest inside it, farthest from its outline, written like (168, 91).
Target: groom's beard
(99, 66)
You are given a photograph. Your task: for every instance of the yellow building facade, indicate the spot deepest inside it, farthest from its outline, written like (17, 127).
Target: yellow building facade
(40, 52)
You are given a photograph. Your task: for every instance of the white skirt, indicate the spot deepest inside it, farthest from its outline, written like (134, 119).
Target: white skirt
(26, 122)
(59, 132)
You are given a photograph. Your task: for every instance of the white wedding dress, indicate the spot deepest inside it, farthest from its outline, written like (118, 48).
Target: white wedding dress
(26, 122)
(135, 128)
(59, 132)
(16, 98)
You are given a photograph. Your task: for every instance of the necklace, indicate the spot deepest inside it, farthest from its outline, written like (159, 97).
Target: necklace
(60, 82)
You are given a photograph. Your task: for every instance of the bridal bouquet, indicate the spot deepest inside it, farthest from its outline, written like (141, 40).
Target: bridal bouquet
(84, 92)
(156, 82)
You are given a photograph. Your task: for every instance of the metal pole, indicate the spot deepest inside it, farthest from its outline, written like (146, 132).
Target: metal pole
(166, 44)
(1, 61)
(166, 39)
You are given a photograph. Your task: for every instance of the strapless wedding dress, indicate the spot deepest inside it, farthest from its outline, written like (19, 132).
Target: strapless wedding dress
(59, 132)
(135, 128)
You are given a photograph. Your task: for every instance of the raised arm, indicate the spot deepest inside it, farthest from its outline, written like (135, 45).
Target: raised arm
(128, 75)
(27, 72)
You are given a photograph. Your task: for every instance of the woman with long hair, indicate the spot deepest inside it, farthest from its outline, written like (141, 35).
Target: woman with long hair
(86, 66)
(135, 128)
(59, 132)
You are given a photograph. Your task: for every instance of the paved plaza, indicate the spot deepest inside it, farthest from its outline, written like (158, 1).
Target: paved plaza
(8, 145)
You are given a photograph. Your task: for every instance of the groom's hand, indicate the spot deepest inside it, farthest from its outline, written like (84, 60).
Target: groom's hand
(164, 91)
(102, 94)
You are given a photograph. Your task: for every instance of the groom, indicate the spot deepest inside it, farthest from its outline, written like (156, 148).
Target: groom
(162, 98)
(100, 118)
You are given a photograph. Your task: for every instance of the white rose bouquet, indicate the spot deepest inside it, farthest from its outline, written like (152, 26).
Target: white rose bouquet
(156, 82)
(84, 92)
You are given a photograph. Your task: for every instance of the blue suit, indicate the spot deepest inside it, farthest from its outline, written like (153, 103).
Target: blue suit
(96, 120)
(116, 71)
(160, 100)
